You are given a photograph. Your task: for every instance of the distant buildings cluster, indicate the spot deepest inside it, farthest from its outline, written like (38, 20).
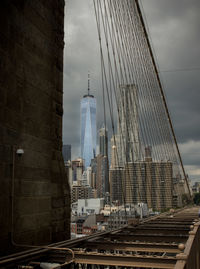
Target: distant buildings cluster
(92, 215)
(127, 179)
(92, 181)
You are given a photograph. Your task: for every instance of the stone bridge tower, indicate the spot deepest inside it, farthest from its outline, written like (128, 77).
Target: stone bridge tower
(34, 191)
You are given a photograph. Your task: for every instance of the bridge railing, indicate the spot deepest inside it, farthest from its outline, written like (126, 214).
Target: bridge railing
(190, 258)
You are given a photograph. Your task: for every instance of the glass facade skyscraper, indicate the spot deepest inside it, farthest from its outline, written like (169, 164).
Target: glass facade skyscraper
(88, 128)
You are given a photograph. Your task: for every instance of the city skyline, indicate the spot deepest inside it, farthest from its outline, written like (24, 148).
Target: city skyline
(181, 87)
(55, 189)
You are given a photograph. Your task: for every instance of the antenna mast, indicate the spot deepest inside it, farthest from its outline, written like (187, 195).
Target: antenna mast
(88, 82)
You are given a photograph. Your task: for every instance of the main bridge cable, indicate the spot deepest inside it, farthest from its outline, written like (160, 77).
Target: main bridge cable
(162, 92)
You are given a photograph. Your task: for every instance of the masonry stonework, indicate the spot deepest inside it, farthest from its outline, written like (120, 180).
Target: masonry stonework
(34, 190)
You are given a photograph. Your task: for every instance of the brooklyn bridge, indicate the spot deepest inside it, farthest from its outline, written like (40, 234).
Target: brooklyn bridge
(35, 193)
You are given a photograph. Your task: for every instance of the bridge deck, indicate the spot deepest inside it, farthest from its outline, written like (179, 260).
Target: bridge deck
(166, 241)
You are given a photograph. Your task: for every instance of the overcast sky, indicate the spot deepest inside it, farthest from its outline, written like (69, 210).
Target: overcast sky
(174, 28)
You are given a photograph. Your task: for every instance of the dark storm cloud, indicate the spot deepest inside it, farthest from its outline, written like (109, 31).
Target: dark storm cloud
(191, 153)
(182, 91)
(174, 30)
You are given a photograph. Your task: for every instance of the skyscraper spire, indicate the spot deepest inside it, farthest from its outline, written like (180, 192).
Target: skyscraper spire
(88, 82)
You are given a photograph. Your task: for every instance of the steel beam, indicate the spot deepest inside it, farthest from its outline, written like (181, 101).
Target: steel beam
(165, 223)
(125, 260)
(148, 237)
(140, 247)
(162, 230)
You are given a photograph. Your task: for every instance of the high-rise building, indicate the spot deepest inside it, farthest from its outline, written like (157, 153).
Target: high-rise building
(80, 192)
(103, 151)
(77, 169)
(88, 127)
(66, 151)
(102, 180)
(116, 152)
(128, 128)
(149, 182)
(116, 173)
(68, 168)
(94, 173)
(114, 159)
(86, 177)
(116, 177)
(103, 141)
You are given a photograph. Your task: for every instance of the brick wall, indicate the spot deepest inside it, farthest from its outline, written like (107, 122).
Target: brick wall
(31, 94)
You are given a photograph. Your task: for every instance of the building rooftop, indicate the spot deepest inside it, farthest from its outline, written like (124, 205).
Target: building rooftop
(88, 95)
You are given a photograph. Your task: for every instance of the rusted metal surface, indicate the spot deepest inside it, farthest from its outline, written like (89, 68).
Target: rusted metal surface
(167, 241)
(190, 258)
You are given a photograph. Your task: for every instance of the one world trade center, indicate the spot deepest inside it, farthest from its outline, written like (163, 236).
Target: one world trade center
(88, 127)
